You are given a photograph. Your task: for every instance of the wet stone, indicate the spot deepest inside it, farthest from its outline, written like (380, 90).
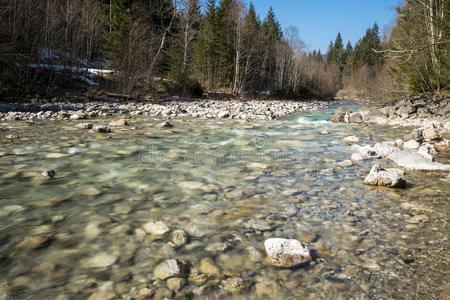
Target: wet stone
(217, 247)
(259, 224)
(156, 228)
(286, 253)
(170, 268)
(179, 237)
(208, 267)
(175, 284)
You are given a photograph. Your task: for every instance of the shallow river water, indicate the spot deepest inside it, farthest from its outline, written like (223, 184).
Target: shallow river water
(230, 185)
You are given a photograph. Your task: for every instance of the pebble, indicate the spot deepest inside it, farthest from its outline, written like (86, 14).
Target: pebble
(208, 267)
(175, 284)
(32, 242)
(217, 247)
(156, 228)
(179, 237)
(170, 268)
(101, 260)
(102, 296)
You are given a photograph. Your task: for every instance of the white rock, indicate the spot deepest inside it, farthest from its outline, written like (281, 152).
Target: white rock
(415, 161)
(156, 228)
(411, 145)
(427, 151)
(75, 117)
(286, 253)
(385, 177)
(351, 139)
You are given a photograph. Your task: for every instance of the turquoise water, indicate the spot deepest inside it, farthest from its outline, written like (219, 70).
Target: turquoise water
(213, 179)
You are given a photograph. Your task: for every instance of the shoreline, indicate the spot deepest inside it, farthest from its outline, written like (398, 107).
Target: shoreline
(197, 108)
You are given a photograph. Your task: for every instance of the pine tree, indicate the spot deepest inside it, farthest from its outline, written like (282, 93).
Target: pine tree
(271, 26)
(119, 23)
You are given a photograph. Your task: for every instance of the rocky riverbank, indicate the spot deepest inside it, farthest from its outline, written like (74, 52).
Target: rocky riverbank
(256, 110)
(424, 110)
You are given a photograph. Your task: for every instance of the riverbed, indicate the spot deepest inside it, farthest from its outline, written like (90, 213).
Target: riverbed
(228, 185)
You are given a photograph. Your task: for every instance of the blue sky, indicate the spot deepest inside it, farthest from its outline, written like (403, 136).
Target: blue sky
(320, 20)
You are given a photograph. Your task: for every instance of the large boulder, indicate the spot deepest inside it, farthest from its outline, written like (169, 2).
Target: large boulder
(379, 150)
(427, 151)
(355, 118)
(430, 133)
(411, 145)
(385, 177)
(415, 161)
(286, 253)
(342, 114)
(416, 135)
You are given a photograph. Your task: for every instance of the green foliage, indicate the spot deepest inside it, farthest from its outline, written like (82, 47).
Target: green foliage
(119, 26)
(271, 26)
(364, 50)
(428, 69)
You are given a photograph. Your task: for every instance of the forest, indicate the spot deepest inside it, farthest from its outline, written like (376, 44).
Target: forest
(186, 48)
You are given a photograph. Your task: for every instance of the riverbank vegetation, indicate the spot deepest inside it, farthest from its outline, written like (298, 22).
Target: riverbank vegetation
(186, 49)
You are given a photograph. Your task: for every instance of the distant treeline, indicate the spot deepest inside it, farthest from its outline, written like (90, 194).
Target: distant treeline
(224, 46)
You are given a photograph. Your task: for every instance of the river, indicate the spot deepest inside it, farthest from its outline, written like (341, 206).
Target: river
(230, 185)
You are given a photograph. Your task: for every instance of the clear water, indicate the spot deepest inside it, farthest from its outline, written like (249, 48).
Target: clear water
(212, 178)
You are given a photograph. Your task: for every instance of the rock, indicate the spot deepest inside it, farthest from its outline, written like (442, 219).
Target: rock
(175, 284)
(102, 296)
(83, 126)
(258, 224)
(164, 125)
(144, 293)
(411, 145)
(308, 237)
(11, 137)
(405, 110)
(163, 294)
(286, 253)
(418, 219)
(91, 191)
(170, 268)
(379, 150)
(120, 122)
(208, 267)
(235, 285)
(427, 151)
(345, 163)
(385, 177)
(254, 254)
(430, 133)
(156, 228)
(355, 118)
(33, 243)
(415, 161)
(101, 260)
(10, 209)
(75, 117)
(49, 173)
(217, 247)
(102, 129)
(179, 237)
(223, 114)
(351, 139)
(267, 288)
(415, 135)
